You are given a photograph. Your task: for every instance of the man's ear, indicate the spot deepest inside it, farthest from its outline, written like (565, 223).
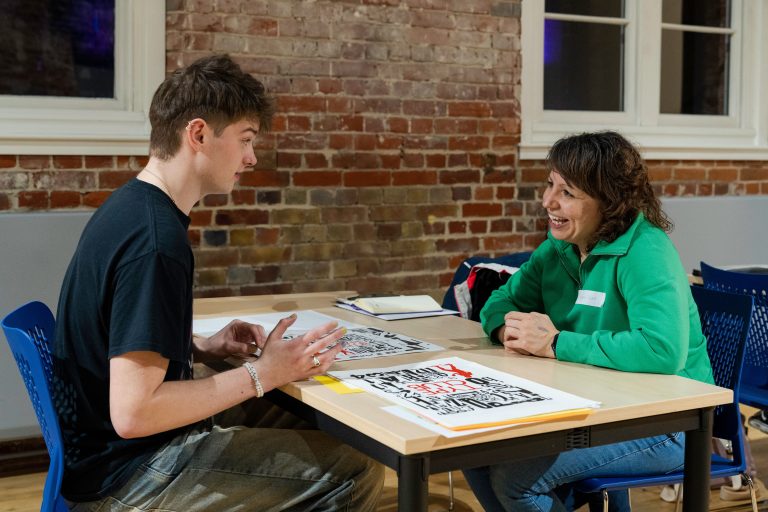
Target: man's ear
(195, 133)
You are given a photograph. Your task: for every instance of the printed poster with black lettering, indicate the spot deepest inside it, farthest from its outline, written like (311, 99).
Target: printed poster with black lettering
(459, 394)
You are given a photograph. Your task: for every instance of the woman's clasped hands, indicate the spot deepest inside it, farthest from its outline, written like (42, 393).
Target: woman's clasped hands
(528, 334)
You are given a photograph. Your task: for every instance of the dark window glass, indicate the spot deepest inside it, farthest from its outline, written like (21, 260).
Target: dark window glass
(58, 48)
(583, 66)
(694, 73)
(707, 13)
(611, 8)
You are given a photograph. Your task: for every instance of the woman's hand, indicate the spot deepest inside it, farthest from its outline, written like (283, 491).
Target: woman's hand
(528, 333)
(237, 337)
(283, 361)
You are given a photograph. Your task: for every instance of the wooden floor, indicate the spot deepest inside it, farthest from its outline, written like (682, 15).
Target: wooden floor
(22, 493)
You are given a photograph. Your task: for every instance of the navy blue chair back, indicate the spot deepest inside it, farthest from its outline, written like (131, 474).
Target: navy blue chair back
(755, 380)
(29, 331)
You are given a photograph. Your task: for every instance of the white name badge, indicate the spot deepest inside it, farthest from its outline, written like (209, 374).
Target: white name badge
(590, 298)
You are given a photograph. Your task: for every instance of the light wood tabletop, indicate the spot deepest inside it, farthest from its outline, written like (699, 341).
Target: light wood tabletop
(637, 403)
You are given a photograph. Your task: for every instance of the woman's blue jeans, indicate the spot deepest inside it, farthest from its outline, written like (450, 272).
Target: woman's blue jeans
(543, 483)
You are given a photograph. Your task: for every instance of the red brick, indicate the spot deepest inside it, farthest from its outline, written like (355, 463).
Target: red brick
(34, 162)
(453, 177)
(264, 178)
(367, 178)
(5, 202)
(67, 162)
(413, 160)
(95, 199)
(457, 227)
(7, 161)
(469, 109)
(213, 200)
(483, 193)
(689, 173)
(35, 199)
(478, 226)
(114, 179)
(750, 174)
(660, 173)
(365, 142)
(340, 141)
(65, 199)
(99, 162)
(397, 124)
(289, 160)
(315, 160)
(723, 174)
(200, 217)
(298, 123)
(481, 210)
(301, 104)
(503, 243)
(414, 178)
(421, 126)
(317, 178)
(329, 85)
(505, 193)
(436, 160)
(243, 197)
(501, 225)
(468, 143)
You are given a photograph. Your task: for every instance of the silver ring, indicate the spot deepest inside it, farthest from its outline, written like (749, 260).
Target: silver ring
(315, 361)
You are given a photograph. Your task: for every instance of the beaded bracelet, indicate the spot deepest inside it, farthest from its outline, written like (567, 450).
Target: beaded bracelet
(255, 378)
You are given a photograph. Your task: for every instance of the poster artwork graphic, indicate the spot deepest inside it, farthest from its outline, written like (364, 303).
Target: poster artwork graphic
(446, 389)
(369, 342)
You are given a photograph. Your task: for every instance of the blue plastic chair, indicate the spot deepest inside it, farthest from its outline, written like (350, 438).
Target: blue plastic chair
(725, 321)
(754, 382)
(30, 331)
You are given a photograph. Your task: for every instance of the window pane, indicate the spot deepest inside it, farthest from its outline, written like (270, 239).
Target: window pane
(612, 8)
(62, 48)
(583, 66)
(694, 73)
(708, 13)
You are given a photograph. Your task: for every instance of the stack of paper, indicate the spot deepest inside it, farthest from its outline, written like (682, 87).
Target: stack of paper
(394, 307)
(460, 394)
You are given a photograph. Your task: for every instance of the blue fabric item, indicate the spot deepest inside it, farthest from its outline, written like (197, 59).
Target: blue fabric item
(29, 331)
(462, 272)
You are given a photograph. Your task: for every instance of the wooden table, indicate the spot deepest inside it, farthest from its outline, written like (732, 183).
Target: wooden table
(634, 405)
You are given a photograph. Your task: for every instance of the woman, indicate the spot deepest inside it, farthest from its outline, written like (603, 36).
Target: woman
(606, 288)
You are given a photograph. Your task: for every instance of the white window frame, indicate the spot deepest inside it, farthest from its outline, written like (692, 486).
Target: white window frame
(741, 135)
(45, 125)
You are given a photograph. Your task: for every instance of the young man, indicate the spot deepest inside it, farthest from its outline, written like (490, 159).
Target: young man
(137, 428)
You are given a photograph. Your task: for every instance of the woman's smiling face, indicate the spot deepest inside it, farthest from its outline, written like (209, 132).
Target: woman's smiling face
(574, 216)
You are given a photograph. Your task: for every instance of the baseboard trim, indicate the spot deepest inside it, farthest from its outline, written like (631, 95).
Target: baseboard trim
(23, 456)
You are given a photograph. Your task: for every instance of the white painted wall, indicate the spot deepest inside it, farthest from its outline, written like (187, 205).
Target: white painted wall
(35, 249)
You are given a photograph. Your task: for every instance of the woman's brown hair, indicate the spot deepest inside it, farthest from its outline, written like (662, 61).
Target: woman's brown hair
(607, 167)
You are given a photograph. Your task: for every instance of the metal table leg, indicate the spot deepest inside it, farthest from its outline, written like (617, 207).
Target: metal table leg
(413, 484)
(698, 449)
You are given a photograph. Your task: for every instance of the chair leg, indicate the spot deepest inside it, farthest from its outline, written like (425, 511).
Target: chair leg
(605, 500)
(629, 498)
(752, 493)
(450, 492)
(679, 488)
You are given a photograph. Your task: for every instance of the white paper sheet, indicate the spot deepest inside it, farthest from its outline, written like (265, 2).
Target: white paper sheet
(360, 342)
(405, 414)
(458, 394)
(307, 319)
(396, 316)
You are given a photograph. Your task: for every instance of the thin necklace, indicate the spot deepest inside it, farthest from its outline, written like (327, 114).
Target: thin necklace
(165, 185)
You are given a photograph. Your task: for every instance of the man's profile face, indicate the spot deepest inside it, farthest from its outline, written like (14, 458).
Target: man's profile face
(230, 154)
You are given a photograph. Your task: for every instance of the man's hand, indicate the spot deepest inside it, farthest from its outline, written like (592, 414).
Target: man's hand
(284, 361)
(237, 337)
(528, 333)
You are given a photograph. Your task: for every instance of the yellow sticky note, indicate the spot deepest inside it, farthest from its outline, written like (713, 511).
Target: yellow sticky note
(336, 385)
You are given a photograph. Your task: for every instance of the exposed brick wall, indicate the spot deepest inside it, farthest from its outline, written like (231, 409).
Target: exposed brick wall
(393, 155)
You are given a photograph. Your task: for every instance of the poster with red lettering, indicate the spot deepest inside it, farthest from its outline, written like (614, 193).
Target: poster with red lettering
(459, 394)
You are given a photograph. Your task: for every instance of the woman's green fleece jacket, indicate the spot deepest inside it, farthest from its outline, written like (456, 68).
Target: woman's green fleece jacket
(628, 306)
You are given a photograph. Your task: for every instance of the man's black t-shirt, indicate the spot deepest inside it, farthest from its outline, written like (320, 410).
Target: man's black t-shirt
(128, 288)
